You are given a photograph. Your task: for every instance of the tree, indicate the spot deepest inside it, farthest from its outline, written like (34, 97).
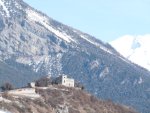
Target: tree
(7, 86)
(79, 85)
(43, 82)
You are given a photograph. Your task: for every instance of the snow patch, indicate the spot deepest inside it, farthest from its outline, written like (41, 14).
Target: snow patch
(123, 82)
(94, 64)
(49, 61)
(18, 5)
(34, 16)
(4, 8)
(140, 80)
(2, 111)
(104, 73)
(96, 44)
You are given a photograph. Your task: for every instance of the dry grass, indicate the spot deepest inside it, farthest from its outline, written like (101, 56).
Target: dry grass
(74, 100)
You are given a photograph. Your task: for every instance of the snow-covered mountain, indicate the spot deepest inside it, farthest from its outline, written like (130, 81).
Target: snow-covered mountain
(134, 48)
(34, 45)
(32, 36)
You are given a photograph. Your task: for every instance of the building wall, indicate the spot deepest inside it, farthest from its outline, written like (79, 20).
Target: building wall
(64, 80)
(67, 81)
(31, 85)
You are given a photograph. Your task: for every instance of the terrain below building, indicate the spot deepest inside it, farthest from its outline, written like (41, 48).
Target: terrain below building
(57, 99)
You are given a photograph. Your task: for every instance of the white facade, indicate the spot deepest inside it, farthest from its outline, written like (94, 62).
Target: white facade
(31, 85)
(64, 80)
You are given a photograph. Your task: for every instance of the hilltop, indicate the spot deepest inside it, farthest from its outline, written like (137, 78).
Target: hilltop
(57, 99)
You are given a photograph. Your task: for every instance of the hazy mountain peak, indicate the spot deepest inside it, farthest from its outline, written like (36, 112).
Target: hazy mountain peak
(135, 48)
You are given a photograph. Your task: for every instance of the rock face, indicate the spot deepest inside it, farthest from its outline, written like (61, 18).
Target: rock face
(33, 45)
(60, 100)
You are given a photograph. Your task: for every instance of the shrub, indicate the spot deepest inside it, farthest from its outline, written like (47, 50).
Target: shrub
(7, 86)
(43, 82)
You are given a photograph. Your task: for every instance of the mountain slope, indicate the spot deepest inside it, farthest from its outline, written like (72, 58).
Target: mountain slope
(16, 73)
(60, 100)
(134, 48)
(47, 47)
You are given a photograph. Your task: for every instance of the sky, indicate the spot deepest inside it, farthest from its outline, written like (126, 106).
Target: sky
(107, 20)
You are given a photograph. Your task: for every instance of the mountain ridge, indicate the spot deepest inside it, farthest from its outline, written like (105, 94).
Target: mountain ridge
(47, 47)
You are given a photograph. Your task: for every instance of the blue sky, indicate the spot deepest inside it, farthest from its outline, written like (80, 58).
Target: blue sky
(104, 19)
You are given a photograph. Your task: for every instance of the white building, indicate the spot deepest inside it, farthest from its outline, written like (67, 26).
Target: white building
(64, 80)
(31, 85)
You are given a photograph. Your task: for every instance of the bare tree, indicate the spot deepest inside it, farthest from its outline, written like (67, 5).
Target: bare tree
(7, 86)
(79, 85)
(43, 82)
